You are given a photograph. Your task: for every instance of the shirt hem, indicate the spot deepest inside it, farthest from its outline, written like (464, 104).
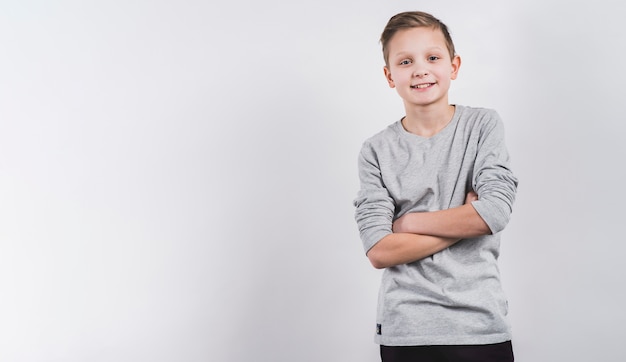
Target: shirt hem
(443, 340)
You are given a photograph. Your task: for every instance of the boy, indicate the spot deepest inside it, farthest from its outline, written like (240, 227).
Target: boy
(436, 190)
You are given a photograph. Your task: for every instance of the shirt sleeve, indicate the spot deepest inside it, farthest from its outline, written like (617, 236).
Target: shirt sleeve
(374, 206)
(493, 179)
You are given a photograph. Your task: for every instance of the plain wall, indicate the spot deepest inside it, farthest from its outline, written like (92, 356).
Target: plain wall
(177, 177)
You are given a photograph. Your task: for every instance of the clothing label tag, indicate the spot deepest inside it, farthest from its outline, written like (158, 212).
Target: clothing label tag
(379, 329)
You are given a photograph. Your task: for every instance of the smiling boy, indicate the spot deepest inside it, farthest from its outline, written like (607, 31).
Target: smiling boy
(436, 190)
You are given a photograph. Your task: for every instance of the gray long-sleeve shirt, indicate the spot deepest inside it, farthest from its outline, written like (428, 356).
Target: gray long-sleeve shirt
(454, 296)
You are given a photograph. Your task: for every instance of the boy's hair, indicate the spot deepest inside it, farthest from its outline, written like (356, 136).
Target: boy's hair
(413, 19)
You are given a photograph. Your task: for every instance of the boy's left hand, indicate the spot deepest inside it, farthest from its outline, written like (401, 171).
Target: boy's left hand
(403, 223)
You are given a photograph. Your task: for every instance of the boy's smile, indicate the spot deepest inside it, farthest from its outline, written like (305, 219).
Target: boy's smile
(422, 85)
(420, 68)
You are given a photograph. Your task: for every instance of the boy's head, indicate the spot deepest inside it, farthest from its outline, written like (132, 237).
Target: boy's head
(413, 19)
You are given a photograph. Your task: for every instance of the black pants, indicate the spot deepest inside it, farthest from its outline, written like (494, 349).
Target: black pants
(499, 352)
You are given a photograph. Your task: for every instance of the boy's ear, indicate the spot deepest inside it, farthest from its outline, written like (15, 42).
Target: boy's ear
(456, 64)
(388, 77)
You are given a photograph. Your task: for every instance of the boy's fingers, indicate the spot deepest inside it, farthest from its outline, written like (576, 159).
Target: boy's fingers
(471, 196)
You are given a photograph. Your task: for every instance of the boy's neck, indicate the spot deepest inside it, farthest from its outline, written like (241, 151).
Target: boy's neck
(427, 121)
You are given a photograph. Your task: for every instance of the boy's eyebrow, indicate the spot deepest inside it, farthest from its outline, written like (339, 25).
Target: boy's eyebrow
(408, 52)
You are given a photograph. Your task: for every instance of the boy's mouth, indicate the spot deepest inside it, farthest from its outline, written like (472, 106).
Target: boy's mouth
(423, 85)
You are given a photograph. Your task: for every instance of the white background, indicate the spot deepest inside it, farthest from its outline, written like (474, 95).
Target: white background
(176, 177)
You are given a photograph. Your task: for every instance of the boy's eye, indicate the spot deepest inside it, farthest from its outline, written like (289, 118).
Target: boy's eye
(405, 62)
(433, 58)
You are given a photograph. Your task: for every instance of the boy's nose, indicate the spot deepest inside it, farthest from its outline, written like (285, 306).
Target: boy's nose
(420, 72)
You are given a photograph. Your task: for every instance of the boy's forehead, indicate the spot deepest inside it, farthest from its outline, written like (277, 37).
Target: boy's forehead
(422, 38)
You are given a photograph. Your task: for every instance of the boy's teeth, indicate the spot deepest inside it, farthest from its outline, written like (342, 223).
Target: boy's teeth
(422, 85)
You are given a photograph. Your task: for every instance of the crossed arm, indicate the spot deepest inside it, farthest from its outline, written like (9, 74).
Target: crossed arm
(421, 234)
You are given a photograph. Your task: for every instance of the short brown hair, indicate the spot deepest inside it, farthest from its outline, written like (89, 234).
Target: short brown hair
(413, 19)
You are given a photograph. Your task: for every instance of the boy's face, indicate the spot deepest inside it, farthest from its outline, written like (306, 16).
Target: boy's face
(420, 68)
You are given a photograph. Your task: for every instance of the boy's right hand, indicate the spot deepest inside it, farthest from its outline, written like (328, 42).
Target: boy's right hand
(471, 196)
